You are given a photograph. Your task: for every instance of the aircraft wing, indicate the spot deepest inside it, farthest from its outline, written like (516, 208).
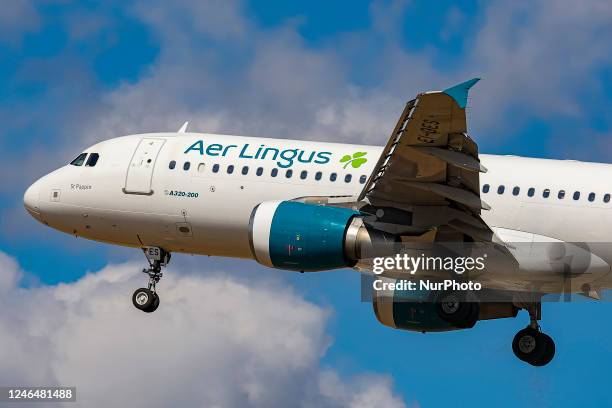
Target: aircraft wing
(430, 166)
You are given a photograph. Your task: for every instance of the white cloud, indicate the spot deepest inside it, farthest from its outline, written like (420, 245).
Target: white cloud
(222, 71)
(214, 342)
(216, 19)
(375, 391)
(11, 273)
(541, 58)
(251, 81)
(536, 58)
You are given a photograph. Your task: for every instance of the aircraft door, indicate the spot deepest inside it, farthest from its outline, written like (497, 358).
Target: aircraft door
(140, 171)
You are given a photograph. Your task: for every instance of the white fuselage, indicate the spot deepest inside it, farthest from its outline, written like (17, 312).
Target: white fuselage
(203, 211)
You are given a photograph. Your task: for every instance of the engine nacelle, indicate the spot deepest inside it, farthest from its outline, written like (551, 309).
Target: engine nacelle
(434, 311)
(415, 313)
(300, 237)
(308, 237)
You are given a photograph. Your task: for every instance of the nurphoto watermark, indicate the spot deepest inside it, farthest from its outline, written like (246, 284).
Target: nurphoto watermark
(495, 272)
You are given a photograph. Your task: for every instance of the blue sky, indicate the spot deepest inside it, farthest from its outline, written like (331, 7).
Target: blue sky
(75, 73)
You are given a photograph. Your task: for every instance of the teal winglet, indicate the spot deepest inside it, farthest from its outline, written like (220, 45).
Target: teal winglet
(460, 92)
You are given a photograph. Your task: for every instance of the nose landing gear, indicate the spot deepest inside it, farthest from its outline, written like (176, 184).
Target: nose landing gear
(146, 299)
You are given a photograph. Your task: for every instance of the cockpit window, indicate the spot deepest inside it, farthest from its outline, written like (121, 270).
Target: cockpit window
(92, 160)
(80, 159)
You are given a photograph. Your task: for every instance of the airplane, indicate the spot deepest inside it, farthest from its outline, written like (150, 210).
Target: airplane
(313, 206)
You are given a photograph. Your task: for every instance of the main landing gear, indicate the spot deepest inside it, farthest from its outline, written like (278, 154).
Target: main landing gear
(146, 299)
(530, 344)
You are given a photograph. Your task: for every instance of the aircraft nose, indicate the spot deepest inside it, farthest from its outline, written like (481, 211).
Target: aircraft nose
(31, 200)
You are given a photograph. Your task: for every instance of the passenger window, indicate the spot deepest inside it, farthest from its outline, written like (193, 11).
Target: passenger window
(363, 179)
(347, 178)
(485, 188)
(274, 172)
(230, 169)
(303, 174)
(259, 171)
(500, 189)
(576, 195)
(80, 159)
(531, 192)
(215, 168)
(201, 167)
(289, 173)
(561, 194)
(186, 166)
(92, 160)
(546, 193)
(516, 191)
(332, 177)
(606, 198)
(318, 175)
(245, 170)
(172, 165)
(592, 197)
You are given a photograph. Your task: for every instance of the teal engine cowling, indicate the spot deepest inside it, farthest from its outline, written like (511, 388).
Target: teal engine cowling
(305, 237)
(434, 311)
(414, 311)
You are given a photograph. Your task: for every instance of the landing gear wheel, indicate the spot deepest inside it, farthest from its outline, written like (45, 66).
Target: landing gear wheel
(454, 309)
(144, 299)
(549, 351)
(155, 304)
(533, 347)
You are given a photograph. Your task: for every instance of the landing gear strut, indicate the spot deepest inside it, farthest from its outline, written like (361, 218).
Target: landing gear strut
(530, 344)
(146, 299)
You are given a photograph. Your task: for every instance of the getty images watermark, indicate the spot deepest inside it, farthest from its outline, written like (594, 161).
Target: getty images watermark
(404, 263)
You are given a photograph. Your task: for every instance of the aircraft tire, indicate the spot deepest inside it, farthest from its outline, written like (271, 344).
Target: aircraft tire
(533, 347)
(143, 299)
(154, 305)
(549, 351)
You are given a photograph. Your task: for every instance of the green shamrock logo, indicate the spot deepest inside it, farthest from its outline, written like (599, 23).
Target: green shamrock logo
(356, 160)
